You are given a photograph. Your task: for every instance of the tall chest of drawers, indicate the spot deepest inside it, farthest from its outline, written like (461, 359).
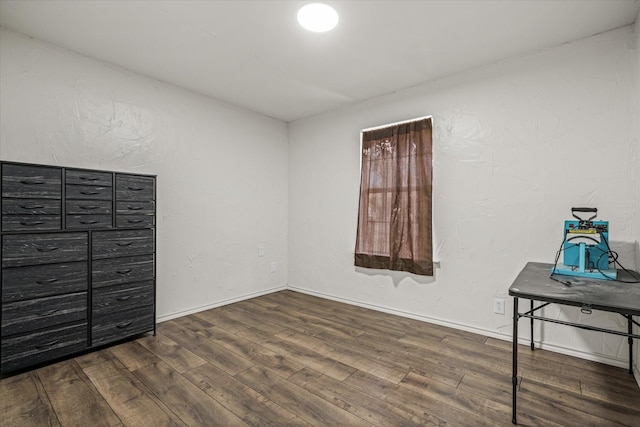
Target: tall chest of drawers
(78, 261)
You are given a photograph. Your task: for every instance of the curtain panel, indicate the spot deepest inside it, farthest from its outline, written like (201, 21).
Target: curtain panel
(394, 216)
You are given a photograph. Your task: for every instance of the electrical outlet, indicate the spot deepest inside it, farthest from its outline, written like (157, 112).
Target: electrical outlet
(273, 267)
(260, 250)
(498, 305)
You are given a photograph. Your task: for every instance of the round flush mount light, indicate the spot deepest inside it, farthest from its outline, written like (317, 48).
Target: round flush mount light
(318, 17)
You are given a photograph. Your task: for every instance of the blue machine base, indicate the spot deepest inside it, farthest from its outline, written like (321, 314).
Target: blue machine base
(608, 274)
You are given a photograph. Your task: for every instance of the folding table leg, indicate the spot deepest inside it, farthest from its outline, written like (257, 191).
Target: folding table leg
(532, 346)
(514, 378)
(629, 318)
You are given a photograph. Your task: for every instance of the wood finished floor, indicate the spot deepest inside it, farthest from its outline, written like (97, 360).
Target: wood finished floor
(293, 359)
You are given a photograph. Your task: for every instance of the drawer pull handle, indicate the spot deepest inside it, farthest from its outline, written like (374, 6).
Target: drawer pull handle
(135, 208)
(89, 193)
(136, 188)
(124, 325)
(46, 281)
(123, 244)
(31, 182)
(49, 249)
(134, 221)
(124, 298)
(32, 206)
(89, 221)
(49, 344)
(124, 272)
(89, 208)
(88, 178)
(31, 223)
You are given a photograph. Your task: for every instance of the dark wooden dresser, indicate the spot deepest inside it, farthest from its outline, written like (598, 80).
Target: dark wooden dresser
(78, 261)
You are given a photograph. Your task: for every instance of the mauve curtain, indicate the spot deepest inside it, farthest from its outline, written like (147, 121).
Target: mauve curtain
(394, 217)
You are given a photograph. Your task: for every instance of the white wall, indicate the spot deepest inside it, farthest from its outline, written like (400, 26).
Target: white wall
(516, 145)
(222, 171)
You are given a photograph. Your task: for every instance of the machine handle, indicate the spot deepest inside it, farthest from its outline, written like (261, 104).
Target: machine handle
(594, 210)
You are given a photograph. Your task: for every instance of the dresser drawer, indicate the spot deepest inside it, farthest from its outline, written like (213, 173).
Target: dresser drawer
(33, 249)
(31, 207)
(112, 327)
(130, 207)
(88, 207)
(116, 271)
(31, 182)
(86, 177)
(89, 192)
(25, 350)
(134, 187)
(25, 316)
(20, 283)
(31, 222)
(135, 221)
(122, 297)
(31, 214)
(75, 222)
(122, 243)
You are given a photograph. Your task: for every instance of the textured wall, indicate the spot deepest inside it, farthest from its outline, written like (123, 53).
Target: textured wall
(222, 171)
(516, 145)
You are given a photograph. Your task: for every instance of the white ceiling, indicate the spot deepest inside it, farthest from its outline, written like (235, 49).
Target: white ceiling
(255, 55)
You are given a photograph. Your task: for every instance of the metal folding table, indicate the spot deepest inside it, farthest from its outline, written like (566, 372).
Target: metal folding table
(533, 283)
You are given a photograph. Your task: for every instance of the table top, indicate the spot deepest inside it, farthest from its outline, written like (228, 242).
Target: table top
(534, 283)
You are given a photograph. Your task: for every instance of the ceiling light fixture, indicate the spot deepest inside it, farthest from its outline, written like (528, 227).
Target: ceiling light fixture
(318, 17)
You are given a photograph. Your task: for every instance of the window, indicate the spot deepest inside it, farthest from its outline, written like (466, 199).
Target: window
(394, 217)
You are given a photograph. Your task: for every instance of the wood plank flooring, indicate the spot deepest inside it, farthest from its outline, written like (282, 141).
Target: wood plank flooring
(290, 359)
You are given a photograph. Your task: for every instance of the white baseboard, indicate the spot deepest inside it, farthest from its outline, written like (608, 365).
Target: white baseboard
(189, 311)
(600, 358)
(609, 360)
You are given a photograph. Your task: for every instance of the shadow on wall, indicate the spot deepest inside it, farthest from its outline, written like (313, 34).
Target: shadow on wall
(398, 276)
(628, 254)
